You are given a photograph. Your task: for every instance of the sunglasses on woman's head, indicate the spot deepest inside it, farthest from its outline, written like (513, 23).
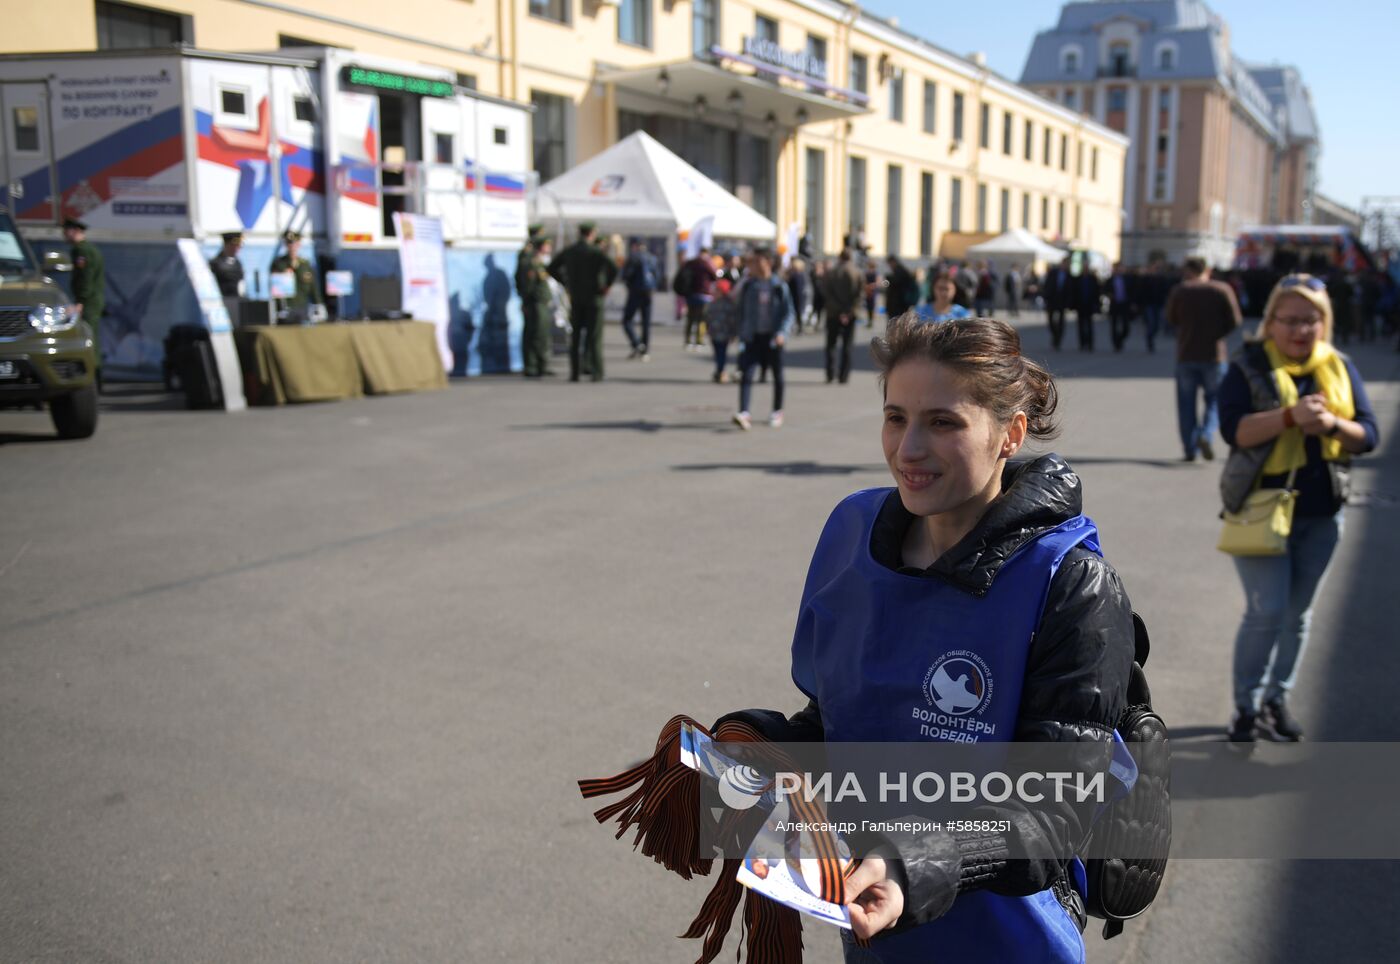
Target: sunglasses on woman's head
(1311, 283)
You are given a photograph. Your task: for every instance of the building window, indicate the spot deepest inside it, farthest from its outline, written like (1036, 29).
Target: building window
(1005, 210)
(1161, 143)
(704, 26)
(1164, 100)
(957, 116)
(1119, 59)
(955, 205)
(1045, 214)
(634, 22)
(1061, 220)
(1159, 219)
(1069, 60)
(816, 51)
(556, 10)
(930, 107)
(1064, 152)
(766, 28)
(1006, 124)
(1029, 147)
(26, 129)
(816, 197)
(1070, 97)
(1117, 99)
(897, 97)
(894, 204)
(1049, 134)
(466, 80)
(982, 208)
(551, 129)
(1079, 159)
(1026, 210)
(124, 26)
(500, 135)
(1166, 57)
(1078, 220)
(984, 128)
(1159, 185)
(860, 73)
(926, 215)
(442, 148)
(303, 110)
(1094, 164)
(855, 199)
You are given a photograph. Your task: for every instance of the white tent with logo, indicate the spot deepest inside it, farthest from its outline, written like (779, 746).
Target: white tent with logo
(1015, 245)
(637, 186)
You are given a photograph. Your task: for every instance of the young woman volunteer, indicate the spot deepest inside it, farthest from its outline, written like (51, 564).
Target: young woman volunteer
(1290, 404)
(986, 568)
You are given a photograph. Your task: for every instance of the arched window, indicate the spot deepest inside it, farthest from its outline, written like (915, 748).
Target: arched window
(1069, 60)
(1166, 57)
(1120, 57)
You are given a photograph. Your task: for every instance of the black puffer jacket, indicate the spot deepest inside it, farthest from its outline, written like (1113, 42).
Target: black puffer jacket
(1075, 686)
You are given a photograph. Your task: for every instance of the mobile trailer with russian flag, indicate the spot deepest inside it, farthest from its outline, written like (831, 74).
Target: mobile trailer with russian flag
(150, 146)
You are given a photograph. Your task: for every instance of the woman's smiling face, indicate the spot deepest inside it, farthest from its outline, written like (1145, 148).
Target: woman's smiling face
(942, 447)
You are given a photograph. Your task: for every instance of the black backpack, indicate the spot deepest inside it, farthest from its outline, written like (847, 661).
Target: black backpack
(683, 281)
(1138, 824)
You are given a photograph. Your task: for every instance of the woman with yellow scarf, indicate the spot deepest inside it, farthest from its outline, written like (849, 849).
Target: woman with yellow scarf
(1290, 405)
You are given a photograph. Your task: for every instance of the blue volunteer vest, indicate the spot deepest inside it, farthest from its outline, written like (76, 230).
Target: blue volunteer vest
(897, 658)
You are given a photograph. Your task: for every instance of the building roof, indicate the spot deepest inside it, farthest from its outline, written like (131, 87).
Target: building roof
(1273, 96)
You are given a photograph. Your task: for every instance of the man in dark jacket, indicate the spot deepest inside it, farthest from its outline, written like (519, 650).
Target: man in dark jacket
(1122, 293)
(901, 290)
(1086, 303)
(843, 291)
(586, 274)
(536, 303)
(698, 277)
(1059, 297)
(89, 279)
(642, 275)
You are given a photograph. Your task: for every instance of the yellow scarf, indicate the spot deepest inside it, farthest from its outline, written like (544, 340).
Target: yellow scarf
(1328, 370)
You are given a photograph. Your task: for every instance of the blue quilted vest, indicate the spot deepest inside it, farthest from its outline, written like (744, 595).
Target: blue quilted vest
(897, 658)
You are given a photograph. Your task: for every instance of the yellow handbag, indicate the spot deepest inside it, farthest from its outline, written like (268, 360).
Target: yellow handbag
(1262, 525)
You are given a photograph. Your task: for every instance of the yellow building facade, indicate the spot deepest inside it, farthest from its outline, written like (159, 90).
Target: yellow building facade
(817, 114)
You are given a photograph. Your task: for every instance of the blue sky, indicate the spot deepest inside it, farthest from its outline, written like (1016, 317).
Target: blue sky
(1347, 50)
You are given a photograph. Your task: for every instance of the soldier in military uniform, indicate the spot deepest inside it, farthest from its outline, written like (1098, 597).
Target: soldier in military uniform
(308, 289)
(89, 279)
(228, 270)
(586, 273)
(536, 302)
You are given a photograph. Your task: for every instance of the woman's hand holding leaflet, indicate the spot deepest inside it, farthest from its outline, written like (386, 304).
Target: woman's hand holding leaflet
(878, 900)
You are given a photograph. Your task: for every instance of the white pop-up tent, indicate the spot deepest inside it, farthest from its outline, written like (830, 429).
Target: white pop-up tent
(637, 186)
(1017, 244)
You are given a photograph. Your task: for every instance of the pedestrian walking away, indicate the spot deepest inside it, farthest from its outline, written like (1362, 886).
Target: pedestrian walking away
(586, 273)
(536, 302)
(765, 320)
(984, 295)
(901, 288)
(1294, 411)
(89, 282)
(695, 281)
(1058, 299)
(1013, 283)
(844, 289)
(1086, 304)
(1121, 296)
(1202, 312)
(1153, 299)
(642, 275)
(722, 318)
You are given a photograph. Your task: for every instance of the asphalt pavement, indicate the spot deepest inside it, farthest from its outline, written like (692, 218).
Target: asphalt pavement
(316, 683)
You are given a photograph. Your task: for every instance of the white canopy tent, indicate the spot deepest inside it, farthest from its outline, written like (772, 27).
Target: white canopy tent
(637, 186)
(1015, 245)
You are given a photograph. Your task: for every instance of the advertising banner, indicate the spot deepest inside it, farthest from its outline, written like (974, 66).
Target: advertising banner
(215, 316)
(423, 274)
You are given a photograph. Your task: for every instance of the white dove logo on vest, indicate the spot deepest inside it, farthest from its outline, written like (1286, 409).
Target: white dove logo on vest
(958, 684)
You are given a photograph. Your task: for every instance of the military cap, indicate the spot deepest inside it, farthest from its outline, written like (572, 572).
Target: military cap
(536, 230)
(587, 227)
(289, 236)
(232, 236)
(74, 223)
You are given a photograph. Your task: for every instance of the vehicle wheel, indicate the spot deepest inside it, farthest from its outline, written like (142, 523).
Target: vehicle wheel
(75, 414)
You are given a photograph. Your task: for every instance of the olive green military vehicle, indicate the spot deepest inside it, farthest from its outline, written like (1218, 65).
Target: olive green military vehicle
(46, 349)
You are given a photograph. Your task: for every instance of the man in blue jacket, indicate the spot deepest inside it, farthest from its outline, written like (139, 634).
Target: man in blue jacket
(765, 318)
(642, 276)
